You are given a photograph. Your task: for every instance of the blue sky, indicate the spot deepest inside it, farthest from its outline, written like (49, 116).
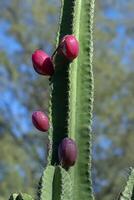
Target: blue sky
(8, 43)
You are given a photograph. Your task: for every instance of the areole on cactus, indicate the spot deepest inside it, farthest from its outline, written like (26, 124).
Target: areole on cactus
(67, 175)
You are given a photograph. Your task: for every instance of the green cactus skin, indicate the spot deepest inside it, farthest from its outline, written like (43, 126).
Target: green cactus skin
(81, 99)
(62, 185)
(60, 86)
(55, 184)
(46, 184)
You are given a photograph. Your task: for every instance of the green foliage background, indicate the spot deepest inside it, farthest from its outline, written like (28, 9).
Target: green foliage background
(32, 24)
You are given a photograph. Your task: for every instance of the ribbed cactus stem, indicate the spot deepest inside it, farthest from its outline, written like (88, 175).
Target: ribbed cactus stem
(81, 99)
(72, 94)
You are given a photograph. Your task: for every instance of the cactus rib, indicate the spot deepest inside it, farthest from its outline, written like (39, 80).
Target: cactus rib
(81, 99)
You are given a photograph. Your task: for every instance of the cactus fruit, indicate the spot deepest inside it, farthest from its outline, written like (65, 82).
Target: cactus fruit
(40, 121)
(67, 152)
(42, 63)
(69, 47)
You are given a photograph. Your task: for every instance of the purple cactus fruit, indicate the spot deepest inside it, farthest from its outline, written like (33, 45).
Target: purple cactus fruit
(42, 63)
(69, 47)
(67, 152)
(40, 121)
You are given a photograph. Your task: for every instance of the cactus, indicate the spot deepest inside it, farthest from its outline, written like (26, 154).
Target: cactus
(72, 95)
(70, 111)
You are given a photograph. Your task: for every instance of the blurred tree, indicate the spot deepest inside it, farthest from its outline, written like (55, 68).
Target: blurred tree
(25, 26)
(113, 106)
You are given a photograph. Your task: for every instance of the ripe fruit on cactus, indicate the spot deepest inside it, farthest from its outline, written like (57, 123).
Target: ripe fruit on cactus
(42, 63)
(69, 47)
(67, 152)
(40, 121)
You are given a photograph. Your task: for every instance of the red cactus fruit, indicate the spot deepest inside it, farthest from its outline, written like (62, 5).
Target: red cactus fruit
(40, 121)
(69, 47)
(42, 63)
(67, 152)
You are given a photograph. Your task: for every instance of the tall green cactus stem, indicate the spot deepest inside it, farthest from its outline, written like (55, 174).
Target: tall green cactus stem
(72, 94)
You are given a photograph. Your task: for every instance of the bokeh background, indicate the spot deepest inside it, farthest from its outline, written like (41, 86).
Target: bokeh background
(26, 25)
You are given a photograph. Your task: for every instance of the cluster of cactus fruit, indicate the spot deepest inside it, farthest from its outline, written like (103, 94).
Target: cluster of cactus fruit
(67, 175)
(44, 65)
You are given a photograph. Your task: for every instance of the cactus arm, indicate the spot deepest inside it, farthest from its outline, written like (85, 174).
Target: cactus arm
(128, 193)
(55, 184)
(45, 189)
(62, 185)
